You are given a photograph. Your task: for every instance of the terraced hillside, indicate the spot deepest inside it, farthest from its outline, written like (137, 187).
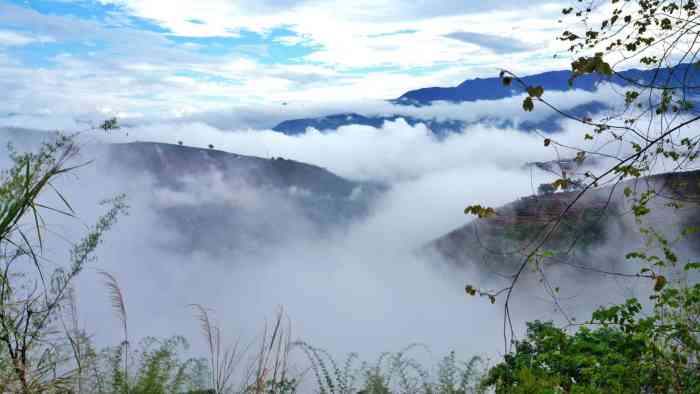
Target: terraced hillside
(601, 215)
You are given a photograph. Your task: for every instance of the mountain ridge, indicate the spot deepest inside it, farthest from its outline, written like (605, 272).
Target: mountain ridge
(493, 89)
(245, 203)
(477, 89)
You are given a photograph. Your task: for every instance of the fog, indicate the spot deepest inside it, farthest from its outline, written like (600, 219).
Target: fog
(360, 289)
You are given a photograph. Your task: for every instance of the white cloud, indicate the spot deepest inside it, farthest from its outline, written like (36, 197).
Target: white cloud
(354, 57)
(395, 152)
(10, 38)
(350, 35)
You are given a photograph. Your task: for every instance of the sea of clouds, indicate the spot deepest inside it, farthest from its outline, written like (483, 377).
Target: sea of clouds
(364, 289)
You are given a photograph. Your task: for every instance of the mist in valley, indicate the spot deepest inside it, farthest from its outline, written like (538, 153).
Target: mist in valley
(365, 286)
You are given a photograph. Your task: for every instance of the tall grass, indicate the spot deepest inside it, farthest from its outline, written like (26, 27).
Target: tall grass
(223, 359)
(32, 297)
(119, 306)
(271, 362)
(393, 372)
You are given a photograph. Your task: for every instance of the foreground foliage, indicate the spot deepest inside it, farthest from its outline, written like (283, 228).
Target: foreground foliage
(33, 291)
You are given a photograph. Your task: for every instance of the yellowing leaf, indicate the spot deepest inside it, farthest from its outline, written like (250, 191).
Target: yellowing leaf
(660, 283)
(560, 184)
(478, 210)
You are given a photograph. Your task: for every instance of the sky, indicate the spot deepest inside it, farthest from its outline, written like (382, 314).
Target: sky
(152, 58)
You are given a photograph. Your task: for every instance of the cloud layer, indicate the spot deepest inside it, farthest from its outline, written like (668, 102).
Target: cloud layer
(363, 289)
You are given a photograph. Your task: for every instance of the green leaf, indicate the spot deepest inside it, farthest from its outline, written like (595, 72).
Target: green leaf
(535, 91)
(690, 230)
(640, 210)
(110, 124)
(635, 255)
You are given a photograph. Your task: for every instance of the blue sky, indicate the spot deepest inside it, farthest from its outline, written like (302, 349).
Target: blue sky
(152, 58)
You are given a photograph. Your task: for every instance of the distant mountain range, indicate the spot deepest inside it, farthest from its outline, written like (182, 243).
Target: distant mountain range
(440, 128)
(492, 89)
(333, 122)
